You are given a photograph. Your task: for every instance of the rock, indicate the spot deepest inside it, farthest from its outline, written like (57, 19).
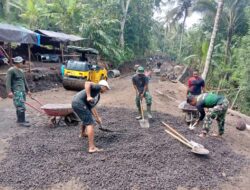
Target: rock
(241, 125)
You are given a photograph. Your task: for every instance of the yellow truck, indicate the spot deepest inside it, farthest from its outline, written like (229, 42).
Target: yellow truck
(86, 69)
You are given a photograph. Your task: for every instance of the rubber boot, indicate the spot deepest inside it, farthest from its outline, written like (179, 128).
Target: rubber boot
(139, 117)
(149, 112)
(21, 119)
(18, 118)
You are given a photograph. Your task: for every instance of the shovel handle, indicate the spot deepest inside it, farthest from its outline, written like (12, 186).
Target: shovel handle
(178, 138)
(142, 114)
(141, 107)
(175, 132)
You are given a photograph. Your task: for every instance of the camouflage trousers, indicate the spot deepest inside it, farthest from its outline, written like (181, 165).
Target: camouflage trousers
(219, 113)
(18, 100)
(147, 97)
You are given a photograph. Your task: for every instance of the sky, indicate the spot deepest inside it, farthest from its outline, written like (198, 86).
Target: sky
(191, 20)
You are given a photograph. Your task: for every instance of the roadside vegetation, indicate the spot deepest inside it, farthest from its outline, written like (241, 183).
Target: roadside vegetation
(124, 30)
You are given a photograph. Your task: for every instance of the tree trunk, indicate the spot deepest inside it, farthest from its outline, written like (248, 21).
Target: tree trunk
(211, 45)
(125, 6)
(182, 33)
(228, 44)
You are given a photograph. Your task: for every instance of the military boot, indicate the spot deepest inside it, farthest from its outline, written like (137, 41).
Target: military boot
(21, 119)
(18, 118)
(149, 112)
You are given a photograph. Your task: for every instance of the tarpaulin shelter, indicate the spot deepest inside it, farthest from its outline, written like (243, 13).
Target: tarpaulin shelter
(18, 34)
(57, 38)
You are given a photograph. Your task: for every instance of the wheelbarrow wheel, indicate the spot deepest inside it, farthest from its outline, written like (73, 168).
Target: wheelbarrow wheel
(188, 118)
(71, 119)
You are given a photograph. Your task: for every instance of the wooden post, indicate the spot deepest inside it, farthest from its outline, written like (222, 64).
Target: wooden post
(10, 53)
(29, 53)
(61, 47)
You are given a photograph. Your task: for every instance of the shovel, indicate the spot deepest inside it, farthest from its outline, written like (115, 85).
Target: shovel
(143, 122)
(196, 147)
(192, 126)
(100, 127)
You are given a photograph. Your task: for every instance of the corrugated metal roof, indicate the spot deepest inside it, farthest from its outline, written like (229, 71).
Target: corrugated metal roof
(59, 36)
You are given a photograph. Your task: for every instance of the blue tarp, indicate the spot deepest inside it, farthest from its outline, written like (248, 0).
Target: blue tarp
(18, 34)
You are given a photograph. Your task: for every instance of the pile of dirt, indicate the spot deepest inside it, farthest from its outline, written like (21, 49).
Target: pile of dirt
(134, 158)
(128, 66)
(44, 79)
(38, 80)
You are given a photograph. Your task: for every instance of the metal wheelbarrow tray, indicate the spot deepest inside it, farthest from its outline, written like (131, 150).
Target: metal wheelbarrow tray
(191, 112)
(57, 113)
(57, 109)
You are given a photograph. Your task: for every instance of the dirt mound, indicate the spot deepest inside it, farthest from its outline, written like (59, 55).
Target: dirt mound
(135, 158)
(39, 79)
(128, 67)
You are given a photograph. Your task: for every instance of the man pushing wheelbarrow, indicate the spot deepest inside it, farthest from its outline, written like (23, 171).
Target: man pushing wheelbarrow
(17, 88)
(83, 104)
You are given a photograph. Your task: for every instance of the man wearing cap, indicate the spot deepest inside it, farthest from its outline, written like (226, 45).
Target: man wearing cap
(17, 88)
(140, 83)
(83, 104)
(217, 108)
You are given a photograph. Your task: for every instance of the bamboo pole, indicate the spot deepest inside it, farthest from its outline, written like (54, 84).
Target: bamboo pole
(10, 53)
(29, 54)
(235, 99)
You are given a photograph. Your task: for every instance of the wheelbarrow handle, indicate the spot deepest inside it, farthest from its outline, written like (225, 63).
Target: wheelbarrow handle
(33, 107)
(36, 100)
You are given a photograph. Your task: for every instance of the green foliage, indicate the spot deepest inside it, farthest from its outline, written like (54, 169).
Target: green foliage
(98, 21)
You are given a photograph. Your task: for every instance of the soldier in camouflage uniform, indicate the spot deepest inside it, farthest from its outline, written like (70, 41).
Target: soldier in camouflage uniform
(217, 108)
(17, 87)
(140, 83)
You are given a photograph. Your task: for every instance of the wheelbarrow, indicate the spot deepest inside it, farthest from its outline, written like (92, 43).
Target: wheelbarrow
(191, 113)
(57, 113)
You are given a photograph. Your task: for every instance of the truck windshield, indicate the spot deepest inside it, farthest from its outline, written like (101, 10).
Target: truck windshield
(77, 66)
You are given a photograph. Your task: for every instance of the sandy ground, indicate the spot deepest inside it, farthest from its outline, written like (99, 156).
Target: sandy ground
(166, 97)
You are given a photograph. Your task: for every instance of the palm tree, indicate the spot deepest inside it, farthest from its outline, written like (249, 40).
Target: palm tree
(234, 12)
(124, 6)
(5, 6)
(212, 41)
(180, 11)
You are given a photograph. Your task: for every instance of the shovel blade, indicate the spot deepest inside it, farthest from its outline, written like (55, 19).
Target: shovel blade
(200, 150)
(144, 123)
(195, 144)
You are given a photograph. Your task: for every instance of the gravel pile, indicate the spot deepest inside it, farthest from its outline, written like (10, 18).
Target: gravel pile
(134, 158)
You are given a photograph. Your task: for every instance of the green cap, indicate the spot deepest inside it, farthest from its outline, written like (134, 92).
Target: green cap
(140, 70)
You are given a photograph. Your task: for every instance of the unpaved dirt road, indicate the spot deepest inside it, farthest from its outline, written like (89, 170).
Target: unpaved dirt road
(166, 97)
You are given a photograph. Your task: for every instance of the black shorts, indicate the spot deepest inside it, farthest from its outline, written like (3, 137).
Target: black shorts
(84, 113)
